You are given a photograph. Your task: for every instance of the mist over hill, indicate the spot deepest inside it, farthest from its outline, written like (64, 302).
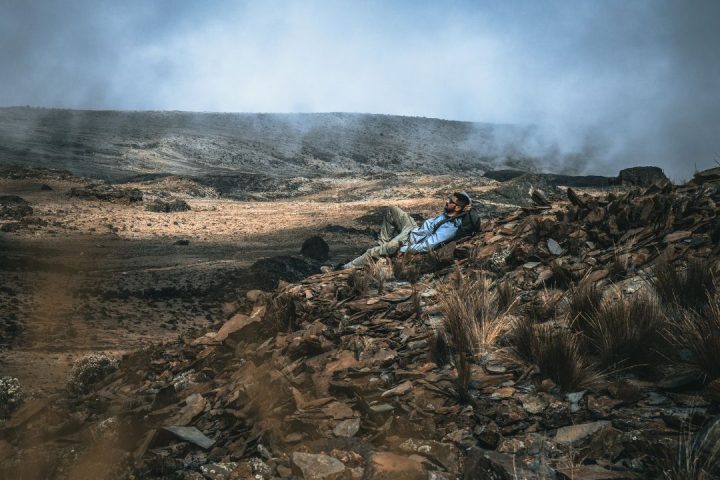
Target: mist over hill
(116, 145)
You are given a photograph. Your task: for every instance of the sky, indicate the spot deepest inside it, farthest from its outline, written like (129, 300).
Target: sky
(631, 82)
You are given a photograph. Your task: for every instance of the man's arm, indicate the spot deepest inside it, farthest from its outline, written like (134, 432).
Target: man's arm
(446, 232)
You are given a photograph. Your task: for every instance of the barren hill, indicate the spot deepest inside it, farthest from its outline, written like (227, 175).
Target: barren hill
(116, 145)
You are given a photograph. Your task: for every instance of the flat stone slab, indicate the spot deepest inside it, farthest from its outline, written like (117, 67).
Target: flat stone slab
(317, 466)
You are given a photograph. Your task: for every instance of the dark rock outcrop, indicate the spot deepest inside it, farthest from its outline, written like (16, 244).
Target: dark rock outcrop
(316, 248)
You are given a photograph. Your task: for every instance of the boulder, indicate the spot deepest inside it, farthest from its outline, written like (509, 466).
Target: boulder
(641, 176)
(316, 248)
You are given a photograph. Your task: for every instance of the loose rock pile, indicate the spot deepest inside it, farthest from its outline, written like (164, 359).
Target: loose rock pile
(346, 374)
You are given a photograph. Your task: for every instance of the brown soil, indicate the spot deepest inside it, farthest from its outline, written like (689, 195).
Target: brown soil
(89, 275)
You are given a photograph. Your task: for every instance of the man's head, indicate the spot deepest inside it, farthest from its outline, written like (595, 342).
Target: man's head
(457, 203)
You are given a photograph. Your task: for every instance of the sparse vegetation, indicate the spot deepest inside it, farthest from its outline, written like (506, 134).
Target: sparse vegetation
(696, 457)
(699, 333)
(472, 320)
(690, 288)
(405, 269)
(556, 352)
(584, 301)
(439, 348)
(359, 281)
(506, 296)
(623, 332)
(281, 312)
(377, 271)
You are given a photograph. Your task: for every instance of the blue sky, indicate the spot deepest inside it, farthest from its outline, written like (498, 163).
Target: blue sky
(639, 77)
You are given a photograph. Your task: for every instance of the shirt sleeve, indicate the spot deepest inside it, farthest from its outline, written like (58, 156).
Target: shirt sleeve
(446, 232)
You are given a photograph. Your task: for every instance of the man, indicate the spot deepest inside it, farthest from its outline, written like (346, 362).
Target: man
(400, 233)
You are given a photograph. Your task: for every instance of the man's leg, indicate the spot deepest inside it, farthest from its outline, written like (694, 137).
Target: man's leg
(395, 221)
(387, 249)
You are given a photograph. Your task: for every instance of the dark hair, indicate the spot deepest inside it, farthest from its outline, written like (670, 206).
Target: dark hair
(463, 199)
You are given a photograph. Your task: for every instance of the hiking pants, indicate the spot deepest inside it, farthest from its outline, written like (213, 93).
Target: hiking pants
(394, 231)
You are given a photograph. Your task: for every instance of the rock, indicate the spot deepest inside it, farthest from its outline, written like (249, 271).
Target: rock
(347, 428)
(554, 247)
(237, 323)
(503, 392)
(13, 207)
(218, 471)
(488, 465)
(255, 296)
(190, 434)
(575, 434)
(641, 176)
(389, 466)
(443, 454)
(316, 248)
(595, 472)
(167, 206)
(317, 466)
(183, 242)
(488, 435)
(194, 405)
(45, 187)
(401, 389)
(533, 404)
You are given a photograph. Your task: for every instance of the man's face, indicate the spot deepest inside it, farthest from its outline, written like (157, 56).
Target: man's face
(451, 206)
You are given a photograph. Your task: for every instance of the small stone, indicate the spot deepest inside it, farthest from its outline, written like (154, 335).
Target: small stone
(347, 428)
(389, 466)
(504, 392)
(533, 405)
(218, 471)
(554, 247)
(401, 389)
(575, 434)
(317, 466)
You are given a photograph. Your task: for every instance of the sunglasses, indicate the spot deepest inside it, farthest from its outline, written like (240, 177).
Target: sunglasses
(450, 202)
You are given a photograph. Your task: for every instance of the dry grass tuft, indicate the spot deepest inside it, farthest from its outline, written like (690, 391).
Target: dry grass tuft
(697, 457)
(699, 333)
(555, 351)
(472, 320)
(584, 300)
(506, 296)
(439, 348)
(473, 306)
(378, 273)
(624, 331)
(690, 288)
(281, 312)
(404, 268)
(359, 282)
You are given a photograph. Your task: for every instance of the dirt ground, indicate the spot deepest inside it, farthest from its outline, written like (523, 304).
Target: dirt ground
(90, 275)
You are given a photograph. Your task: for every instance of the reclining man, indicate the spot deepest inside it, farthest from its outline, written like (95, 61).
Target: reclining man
(400, 234)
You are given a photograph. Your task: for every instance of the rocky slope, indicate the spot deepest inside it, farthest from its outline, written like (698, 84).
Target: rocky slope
(490, 359)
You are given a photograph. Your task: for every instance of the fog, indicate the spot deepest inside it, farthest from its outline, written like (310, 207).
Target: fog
(618, 83)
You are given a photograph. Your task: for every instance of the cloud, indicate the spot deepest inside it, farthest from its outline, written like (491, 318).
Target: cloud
(618, 82)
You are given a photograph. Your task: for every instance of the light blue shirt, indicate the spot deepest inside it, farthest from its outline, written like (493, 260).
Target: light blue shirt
(422, 238)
